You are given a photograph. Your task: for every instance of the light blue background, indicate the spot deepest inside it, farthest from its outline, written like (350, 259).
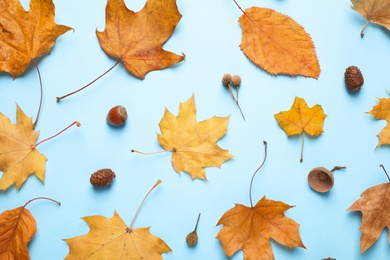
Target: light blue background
(209, 34)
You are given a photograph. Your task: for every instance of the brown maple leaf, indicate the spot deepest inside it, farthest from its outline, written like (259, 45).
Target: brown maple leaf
(374, 206)
(277, 43)
(193, 144)
(376, 11)
(111, 237)
(17, 227)
(300, 118)
(136, 38)
(19, 157)
(382, 111)
(26, 35)
(251, 228)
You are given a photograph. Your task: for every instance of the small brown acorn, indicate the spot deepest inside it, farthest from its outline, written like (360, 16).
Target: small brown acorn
(353, 78)
(192, 237)
(102, 177)
(117, 116)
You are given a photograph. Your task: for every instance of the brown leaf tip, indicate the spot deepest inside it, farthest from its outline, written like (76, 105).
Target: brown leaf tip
(102, 177)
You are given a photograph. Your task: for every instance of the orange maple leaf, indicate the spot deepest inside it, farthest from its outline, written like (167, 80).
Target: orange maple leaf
(111, 238)
(277, 43)
(17, 227)
(382, 111)
(300, 119)
(193, 144)
(376, 11)
(251, 228)
(18, 156)
(136, 38)
(26, 35)
(375, 214)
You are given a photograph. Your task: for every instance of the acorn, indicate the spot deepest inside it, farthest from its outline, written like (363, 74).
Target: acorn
(321, 179)
(192, 238)
(226, 79)
(236, 80)
(117, 116)
(102, 177)
(353, 78)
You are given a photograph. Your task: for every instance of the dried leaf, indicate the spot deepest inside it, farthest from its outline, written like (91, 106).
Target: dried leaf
(376, 11)
(26, 35)
(136, 38)
(251, 228)
(17, 227)
(382, 111)
(277, 43)
(375, 214)
(193, 144)
(18, 156)
(300, 118)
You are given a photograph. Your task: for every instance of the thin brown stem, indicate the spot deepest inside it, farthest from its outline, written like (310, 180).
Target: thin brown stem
(41, 90)
(364, 27)
(93, 81)
(303, 145)
(197, 221)
(235, 100)
(147, 194)
(41, 198)
(383, 167)
(239, 7)
(147, 153)
(253, 176)
(338, 168)
(63, 130)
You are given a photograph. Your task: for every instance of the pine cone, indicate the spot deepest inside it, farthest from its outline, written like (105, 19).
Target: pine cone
(353, 78)
(102, 177)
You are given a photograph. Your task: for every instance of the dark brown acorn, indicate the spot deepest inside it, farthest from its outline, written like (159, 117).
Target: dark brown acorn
(353, 78)
(102, 177)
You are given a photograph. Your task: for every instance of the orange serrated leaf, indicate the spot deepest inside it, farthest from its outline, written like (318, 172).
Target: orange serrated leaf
(382, 111)
(136, 38)
(251, 228)
(376, 11)
(373, 205)
(193, 144)
(26, 35)
(17, 227)
(18, 156)
(277, 43)
(300, 118)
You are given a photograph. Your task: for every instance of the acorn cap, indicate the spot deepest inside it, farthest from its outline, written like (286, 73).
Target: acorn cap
(320, 179)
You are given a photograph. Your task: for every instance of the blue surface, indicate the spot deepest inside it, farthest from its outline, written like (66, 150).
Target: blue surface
(209, 35)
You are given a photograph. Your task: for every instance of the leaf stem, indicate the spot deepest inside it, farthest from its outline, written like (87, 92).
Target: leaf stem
(383, 167)
(147, 153)
(147, 194)
(93, 81)
(303, 145)
(364, 27)
(235, 99)
(253, 176)
(63, 130)
(239, 7)
(41, 198)
(41, 90)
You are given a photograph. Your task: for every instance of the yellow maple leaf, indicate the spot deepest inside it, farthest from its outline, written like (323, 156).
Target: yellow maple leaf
(382, 111)
(18, 156)
(300, 119)
(375, 214)
(251, 228)
(26, 35)
(137, 37)
(376, 11)
(277, 43)
(193, 144)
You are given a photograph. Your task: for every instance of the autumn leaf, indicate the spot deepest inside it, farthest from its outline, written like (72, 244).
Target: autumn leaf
(301, 119)
(382, 111)
(251, 228)
(193, 144)
(18, 156)
(17, 227)
(112, 237)
(373, 205)
(136, 38)
(26, 35)
(277, 43)
(376, 11)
